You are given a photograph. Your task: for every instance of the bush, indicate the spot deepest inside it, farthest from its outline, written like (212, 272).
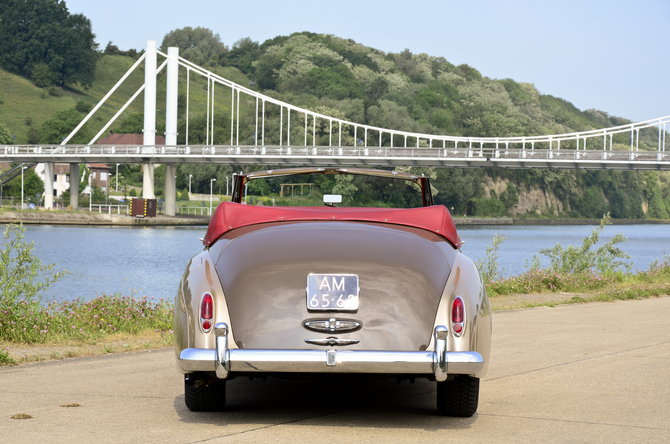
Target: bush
(5, 136)
(20, 270)
(41, 75)
(33, 136)
(184, 195)
(53, 130)
(29, 121)
(488, 266)
(606, 259)
(55, 91)
(132, 193)
(98, 195)
(83, 107)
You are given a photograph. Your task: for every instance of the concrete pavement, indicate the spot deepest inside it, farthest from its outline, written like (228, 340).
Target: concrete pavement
(576, 373)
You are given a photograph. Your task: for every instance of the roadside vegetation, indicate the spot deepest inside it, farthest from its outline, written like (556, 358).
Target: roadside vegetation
(26, 320)
(115, 323)
(598, 274)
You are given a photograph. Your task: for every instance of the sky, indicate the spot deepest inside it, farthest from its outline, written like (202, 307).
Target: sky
(608, 55)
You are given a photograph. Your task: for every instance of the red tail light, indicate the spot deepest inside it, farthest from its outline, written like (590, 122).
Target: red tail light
(206, 312)
(457, 316)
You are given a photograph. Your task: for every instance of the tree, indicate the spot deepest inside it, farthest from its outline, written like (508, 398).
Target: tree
(33, 137)
(41, 75)
(36, 32)
(199, 45)
(242, 56)
(653, 194)
(132, 124)
(5, 136)
(54, 130)
(32, 184)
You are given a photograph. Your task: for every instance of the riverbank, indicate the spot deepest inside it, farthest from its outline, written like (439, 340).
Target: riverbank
(105, 219)
(97, 219)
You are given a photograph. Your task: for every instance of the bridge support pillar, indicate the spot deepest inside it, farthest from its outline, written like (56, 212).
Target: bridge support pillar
(171, 128)
(48, 185)
(149, 117)
(148, 181)
(74, 185)
(170, 204)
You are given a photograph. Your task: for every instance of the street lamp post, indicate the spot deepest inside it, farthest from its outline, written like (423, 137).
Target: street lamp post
(22, 187)
(117, 177)
(227, 185)
(189, 185)
(211, 188)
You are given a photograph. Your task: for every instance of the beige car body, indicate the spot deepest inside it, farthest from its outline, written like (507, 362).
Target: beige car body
(408, 278)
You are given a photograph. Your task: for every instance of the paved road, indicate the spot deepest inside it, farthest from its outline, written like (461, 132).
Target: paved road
(579, 373)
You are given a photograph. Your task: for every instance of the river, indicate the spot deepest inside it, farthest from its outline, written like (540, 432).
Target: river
(150, 261)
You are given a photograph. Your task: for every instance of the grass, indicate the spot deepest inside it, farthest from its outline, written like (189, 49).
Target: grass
(19, 98)
(589, 286)
(545, 280)
(29, 322)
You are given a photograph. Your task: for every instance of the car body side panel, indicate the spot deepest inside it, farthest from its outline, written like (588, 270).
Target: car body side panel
(401, 278)
(466, 282)
(200, 277)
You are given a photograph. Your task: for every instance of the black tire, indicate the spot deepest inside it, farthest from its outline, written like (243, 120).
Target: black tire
(458, 397)
(206, 398)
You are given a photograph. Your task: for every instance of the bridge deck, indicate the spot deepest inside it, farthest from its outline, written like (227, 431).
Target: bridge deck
(345, 156)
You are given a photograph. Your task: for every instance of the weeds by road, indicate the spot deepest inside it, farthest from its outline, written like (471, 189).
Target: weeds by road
(33, 331)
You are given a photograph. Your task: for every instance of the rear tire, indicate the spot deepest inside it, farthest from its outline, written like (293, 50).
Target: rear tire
(458, 397)
(206, 398)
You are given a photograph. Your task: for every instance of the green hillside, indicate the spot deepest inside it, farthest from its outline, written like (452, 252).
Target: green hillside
(345, 79)
(21, 99)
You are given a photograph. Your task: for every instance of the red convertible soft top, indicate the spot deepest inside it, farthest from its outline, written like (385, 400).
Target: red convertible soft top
(229, 215)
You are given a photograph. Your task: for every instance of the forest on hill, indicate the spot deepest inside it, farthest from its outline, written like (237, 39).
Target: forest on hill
(337, 77)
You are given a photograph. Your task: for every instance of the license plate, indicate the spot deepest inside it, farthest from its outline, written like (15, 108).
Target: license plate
(332, 292)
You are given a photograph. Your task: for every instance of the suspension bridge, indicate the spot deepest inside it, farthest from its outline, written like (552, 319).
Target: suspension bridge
(349, 143)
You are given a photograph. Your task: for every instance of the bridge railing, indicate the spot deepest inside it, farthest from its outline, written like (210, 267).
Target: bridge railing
(109, 208)
(133, 154)
(195, 211)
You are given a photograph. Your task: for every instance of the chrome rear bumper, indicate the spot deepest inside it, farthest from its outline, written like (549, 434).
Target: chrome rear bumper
(223, 360)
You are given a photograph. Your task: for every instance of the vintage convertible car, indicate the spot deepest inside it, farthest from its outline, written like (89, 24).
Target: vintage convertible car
(336, 289)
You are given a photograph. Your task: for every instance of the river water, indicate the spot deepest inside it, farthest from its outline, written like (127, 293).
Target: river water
(150, 261)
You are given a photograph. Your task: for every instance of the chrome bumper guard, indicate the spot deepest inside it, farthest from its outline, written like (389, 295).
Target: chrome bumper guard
(439, 363)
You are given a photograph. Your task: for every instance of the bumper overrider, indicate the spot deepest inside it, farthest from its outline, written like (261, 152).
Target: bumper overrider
(439, 363)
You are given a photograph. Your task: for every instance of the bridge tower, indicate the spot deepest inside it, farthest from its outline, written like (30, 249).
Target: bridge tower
(171, 129)
(149, 118)
(150, 64)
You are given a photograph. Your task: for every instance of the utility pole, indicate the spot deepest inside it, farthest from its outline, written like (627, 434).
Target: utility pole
(23, 168)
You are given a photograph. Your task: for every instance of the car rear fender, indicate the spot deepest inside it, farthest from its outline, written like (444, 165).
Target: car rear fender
(465, 281)
(199, 278)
